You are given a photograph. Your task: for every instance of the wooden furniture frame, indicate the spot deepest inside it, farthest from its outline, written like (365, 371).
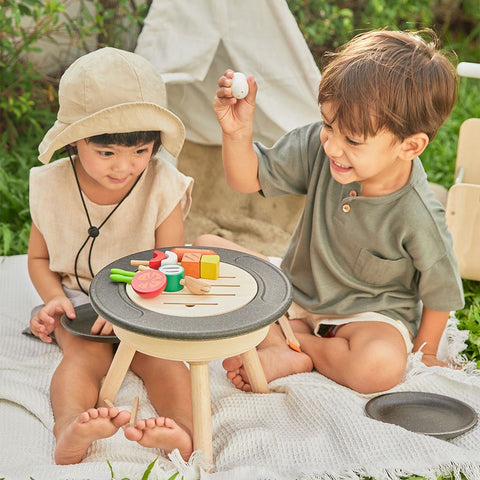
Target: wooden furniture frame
(463, 201)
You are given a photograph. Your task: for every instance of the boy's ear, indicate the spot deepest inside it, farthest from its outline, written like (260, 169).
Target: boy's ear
(414, 145)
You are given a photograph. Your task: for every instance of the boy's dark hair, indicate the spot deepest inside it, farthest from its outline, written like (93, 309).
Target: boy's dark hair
(129, 139)
(390, 80)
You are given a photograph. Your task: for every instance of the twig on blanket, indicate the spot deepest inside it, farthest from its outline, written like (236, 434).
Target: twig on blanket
(134, 412)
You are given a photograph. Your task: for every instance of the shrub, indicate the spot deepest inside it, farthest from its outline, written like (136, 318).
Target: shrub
(28, 97)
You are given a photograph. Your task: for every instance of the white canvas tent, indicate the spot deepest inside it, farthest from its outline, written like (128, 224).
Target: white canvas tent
(193, 42)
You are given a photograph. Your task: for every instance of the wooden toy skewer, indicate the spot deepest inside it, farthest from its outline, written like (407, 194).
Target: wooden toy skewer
(137, 263)
(182, 293)
(292, 340)
(154, 263)
(190, 304)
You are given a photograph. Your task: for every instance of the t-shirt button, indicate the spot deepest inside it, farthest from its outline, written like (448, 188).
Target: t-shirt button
(346, 208)
(353, 193)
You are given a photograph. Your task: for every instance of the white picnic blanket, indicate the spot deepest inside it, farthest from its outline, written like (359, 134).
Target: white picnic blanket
(307, 428)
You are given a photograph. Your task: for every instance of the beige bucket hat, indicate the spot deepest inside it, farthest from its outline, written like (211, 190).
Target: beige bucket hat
(111, 91)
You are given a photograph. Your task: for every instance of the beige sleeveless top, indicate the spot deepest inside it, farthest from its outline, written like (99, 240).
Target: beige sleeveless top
(57, 211)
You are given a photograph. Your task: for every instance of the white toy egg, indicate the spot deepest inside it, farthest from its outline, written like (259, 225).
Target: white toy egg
(239, 85)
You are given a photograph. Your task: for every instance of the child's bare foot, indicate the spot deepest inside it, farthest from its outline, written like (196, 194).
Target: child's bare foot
(161, 432)
(277, 361)
(95, 423)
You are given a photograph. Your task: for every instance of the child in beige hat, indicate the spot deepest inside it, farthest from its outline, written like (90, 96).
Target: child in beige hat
(111, 197)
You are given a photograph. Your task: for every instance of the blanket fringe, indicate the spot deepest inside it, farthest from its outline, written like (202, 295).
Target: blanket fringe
(188, 470)
(458, 472)
(162, 469)
(455, 346)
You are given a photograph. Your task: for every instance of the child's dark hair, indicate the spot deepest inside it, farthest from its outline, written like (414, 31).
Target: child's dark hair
(129, 139)
(390, 80)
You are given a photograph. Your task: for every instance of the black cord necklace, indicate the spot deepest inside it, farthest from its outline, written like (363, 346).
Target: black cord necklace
(93, 232)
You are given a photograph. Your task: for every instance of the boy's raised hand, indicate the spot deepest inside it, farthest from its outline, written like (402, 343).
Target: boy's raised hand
(47, 319)
(234, 115)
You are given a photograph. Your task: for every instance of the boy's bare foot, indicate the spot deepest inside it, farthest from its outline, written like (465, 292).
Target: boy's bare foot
(277, 361)
(161, 432)
(95, 423)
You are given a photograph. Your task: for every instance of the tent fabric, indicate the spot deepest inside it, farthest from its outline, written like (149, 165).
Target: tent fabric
(193, 43)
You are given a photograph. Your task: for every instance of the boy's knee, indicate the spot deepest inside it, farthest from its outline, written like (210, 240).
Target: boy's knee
(209, 240)
(379, 370)
(204, 240)
(376, 383)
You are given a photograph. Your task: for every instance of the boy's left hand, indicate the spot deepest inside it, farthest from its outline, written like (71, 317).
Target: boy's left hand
(431, 360)
(101, 327)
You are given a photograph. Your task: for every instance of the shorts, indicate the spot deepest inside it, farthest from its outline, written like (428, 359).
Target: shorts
(327, 325)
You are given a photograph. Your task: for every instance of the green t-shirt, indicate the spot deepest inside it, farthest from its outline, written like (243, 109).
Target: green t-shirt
(351, 254)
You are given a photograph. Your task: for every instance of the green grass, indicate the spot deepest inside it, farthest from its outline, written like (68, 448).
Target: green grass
(469, 319)
(439, 156)
(15, 163)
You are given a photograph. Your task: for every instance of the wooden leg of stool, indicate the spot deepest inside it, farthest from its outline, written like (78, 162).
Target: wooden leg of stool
(202, 409)
(116, 373)
(254, 370)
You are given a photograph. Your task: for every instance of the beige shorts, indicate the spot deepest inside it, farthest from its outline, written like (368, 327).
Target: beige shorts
(315, 320)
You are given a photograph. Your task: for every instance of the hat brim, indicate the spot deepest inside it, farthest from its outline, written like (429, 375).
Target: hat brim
(122, 118)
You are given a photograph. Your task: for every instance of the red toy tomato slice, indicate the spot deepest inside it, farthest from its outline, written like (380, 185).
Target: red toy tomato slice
(149, 283)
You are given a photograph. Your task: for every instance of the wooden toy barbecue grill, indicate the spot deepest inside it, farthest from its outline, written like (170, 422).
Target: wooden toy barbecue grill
(231, 319)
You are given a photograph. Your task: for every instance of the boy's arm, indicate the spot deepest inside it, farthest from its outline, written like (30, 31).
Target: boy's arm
(430, 332)
(235, 117)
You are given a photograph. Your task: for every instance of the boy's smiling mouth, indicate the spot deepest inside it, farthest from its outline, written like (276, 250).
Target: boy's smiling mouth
(338, 166)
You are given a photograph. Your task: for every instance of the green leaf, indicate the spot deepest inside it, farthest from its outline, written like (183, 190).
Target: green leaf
(149, 470)
(111, 470)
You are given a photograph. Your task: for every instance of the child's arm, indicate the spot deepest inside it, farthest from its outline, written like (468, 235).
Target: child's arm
(430, 332)
(235, 117)
(49, 287)
(171, 231)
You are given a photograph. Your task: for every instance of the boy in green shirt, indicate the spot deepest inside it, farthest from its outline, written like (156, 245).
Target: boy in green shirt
(371, 262)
